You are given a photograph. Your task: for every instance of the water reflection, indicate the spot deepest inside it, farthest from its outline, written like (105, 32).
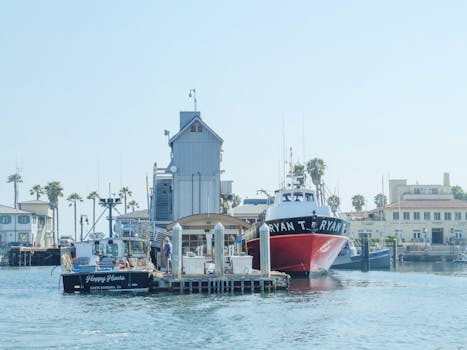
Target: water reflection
(438, 267)
(314, 284)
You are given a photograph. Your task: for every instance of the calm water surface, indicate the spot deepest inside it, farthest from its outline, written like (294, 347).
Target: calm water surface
(420, 306)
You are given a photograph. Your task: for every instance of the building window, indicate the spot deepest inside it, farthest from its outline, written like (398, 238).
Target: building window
(23, 219)
(437, 216)
(196, 128)
(406, 215)
(6, 219)
(426, 215)
(458, 215)
(395, 215)
(416, 234)
(447, 216)
(416, 215)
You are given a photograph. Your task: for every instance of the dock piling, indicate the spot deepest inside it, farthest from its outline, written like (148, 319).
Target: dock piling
(177, 251)
(219, 248)
(265, 251)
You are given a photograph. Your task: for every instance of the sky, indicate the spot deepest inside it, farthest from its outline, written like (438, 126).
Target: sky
(377, 89)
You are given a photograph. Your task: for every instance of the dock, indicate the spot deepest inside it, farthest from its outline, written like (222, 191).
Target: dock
(229, 283)
(32, 256)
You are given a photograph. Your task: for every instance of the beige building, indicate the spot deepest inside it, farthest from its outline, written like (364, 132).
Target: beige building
(416, 213)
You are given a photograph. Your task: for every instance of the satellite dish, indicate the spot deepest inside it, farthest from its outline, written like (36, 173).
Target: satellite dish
(173, 169)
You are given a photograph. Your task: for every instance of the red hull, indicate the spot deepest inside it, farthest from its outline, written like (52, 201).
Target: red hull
(300, 253)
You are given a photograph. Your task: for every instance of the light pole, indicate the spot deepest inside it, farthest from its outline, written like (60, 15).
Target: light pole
(424, 235)
(83, 219)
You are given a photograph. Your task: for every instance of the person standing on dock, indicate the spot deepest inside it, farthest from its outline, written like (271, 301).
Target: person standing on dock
(167, 254)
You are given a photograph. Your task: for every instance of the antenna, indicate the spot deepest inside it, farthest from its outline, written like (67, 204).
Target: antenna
(192, 93)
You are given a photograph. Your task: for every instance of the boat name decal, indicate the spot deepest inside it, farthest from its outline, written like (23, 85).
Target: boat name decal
(330, 226)
(325, 225)
(104, 279)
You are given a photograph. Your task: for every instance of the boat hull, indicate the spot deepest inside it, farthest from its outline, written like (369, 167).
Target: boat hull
(299, 254)
(378, 260)
(110, 281)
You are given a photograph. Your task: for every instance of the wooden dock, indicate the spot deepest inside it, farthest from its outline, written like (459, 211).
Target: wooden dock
(210, 284)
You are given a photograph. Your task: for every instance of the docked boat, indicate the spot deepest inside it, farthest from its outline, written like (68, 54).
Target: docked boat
(304, 237)
(123, 265)
(461, 258)
(115, 263)
(350, 258)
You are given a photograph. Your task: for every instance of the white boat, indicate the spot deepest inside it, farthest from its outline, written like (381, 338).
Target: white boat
(304, 236)
(124, 265)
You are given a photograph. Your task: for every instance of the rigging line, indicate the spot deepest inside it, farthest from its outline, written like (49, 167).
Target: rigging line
(94, 225)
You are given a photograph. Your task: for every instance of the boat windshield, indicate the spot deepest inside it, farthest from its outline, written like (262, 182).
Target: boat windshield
(106, 249)
(135, 248)
(297, 197)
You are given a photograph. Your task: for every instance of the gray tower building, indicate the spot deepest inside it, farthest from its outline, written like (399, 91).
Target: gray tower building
(194, 170)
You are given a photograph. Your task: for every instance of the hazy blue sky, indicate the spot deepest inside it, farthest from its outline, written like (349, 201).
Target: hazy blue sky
(375, 88)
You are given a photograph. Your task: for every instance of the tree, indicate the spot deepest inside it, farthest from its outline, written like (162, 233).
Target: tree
(334, 202)
(93, 196)
(16, 179)
(37, 191)
(73, 199)
(380, 200)
(133, 204)
(125, 193)
(458, 192)
(315, 168)
(299, 173)
(54, 191)
(236, 200)
(358, 201)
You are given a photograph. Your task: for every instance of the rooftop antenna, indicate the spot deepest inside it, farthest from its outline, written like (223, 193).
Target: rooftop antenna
(193, 94)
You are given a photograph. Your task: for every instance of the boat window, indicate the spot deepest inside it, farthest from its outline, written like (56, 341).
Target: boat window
(286, 197)
(134, 248)
(112, 250)
(309, 197)
(298, 197)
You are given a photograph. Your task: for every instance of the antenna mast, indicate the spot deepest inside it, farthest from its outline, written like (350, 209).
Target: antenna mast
(193, 94)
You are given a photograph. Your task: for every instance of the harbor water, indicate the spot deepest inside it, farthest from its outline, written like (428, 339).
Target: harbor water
(419, 306)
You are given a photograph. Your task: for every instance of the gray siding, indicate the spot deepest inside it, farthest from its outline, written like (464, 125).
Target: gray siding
(197, 180)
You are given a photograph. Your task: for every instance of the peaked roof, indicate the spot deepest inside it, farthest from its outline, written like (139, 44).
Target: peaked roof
(198, 119)
(10, 210)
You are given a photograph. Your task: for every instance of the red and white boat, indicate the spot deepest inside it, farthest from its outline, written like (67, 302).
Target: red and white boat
(304, 237)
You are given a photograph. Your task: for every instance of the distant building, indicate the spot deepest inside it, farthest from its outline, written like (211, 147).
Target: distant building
(249, 211)
(416, 213)
(29, 225)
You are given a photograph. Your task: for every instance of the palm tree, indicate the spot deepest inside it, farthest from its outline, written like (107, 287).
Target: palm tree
(380, 201)
(334, 202)
(73, 198)
(133, 204)
(315, 168)
(236, 200)
(54, 190)
(125, 192)
(358, 201)
(93, 196)
(299, 172)
(36, 190)
(16, 179)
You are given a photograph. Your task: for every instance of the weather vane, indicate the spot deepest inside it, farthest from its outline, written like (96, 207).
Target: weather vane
(193, 94)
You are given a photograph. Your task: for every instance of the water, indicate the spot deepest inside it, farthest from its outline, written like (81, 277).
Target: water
(422, 306)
